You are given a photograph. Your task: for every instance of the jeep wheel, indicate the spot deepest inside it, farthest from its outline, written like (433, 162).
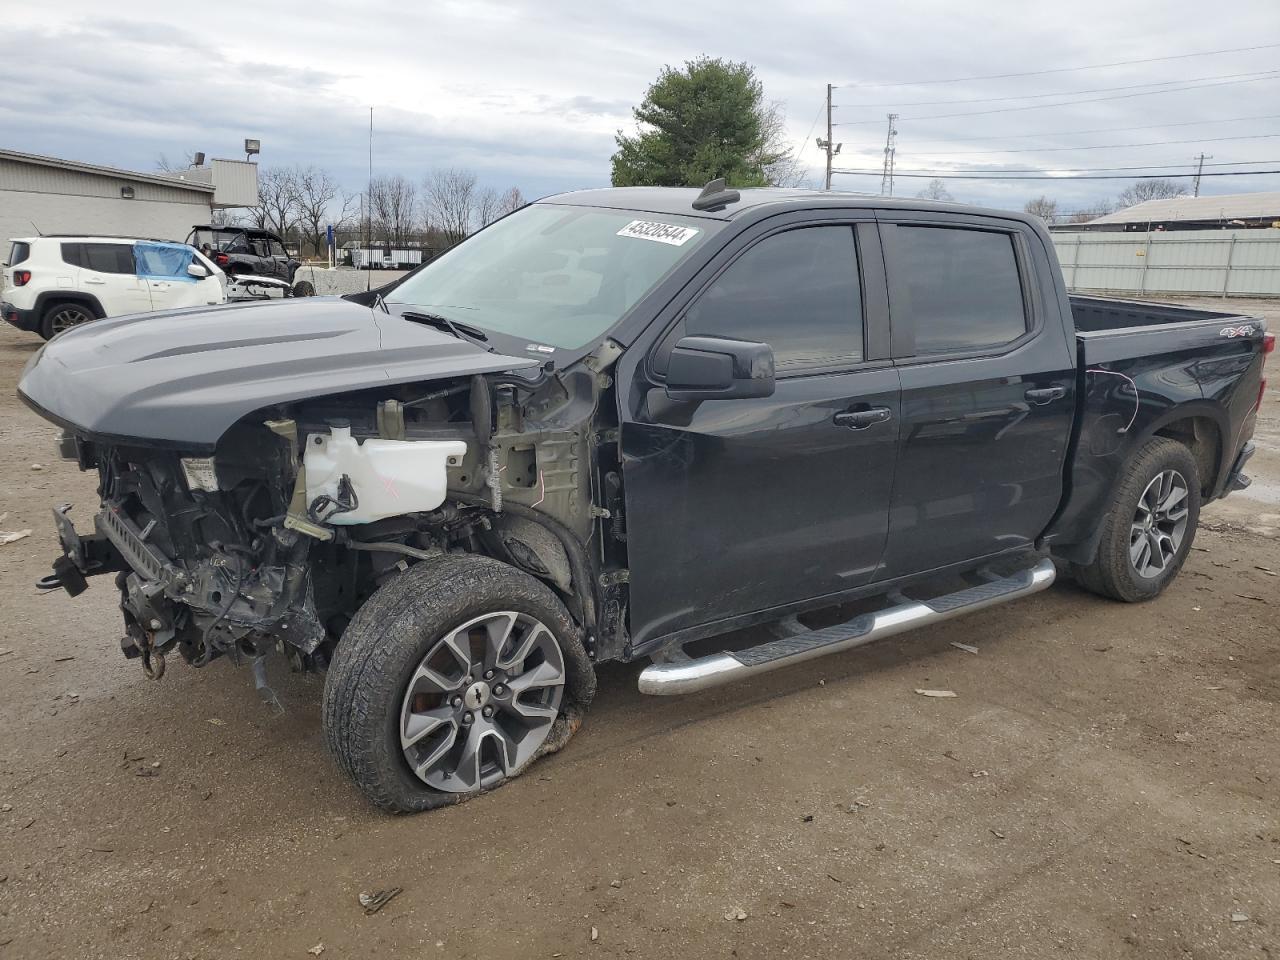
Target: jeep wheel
(63, 316)
(303, 288)
(450, 680)
(1147, 534)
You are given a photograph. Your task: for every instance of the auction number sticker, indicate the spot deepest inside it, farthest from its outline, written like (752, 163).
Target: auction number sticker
(660, 232)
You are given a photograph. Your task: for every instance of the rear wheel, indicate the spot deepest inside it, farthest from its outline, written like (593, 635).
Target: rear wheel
(451, 680)
(63, 316)
(1148, 532)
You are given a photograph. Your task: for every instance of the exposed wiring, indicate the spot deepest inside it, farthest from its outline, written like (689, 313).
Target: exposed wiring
(1137, 400)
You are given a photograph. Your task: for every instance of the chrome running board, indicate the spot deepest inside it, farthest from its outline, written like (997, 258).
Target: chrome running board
(689, 676)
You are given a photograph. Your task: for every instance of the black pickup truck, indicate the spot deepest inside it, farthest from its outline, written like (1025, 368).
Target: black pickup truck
(620, 424)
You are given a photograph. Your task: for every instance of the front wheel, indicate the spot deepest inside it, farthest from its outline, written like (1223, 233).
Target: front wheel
(1148, 531)
(451, 680)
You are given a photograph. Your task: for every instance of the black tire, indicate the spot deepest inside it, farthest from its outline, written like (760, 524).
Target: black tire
(303, 288)
(1113, 572)
(388, 638)
(62, 315)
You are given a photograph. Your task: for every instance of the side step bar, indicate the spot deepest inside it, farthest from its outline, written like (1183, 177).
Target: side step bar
(689, 676)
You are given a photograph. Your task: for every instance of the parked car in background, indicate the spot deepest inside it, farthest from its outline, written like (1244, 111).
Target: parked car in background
(57, 282)
(245, 250)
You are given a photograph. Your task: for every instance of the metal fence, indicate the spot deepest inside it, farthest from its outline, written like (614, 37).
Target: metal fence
(1227, 263)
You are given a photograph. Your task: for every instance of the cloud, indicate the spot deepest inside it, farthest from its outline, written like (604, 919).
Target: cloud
(531, 93)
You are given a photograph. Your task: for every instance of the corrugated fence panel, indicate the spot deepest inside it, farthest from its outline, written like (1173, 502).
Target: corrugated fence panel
(1223, 262)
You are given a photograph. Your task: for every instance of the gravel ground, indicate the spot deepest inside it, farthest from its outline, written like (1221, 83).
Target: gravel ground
(1106, 784)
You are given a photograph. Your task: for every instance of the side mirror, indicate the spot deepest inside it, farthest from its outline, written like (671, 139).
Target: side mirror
(712, 368)
(198, 270)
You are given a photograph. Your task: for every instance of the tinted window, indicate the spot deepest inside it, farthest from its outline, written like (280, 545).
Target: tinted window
(796, 291)
(961, 287)
(106, 257)
(73, 253)
(19, 252)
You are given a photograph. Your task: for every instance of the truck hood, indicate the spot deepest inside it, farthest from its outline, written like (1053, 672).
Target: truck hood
(183, 377)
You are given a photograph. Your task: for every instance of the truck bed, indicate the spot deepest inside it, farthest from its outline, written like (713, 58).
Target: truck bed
(1102, 314)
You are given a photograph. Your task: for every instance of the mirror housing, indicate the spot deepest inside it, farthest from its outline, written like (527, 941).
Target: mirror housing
(198, 270)
(713, 368)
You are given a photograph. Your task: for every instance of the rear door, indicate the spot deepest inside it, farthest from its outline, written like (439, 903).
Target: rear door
(988, 388)
(107, 272)
(746, 505)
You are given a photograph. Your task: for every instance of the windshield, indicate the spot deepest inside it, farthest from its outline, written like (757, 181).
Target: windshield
(555, 275)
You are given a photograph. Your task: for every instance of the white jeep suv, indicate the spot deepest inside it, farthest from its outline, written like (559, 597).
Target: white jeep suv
(52, 283)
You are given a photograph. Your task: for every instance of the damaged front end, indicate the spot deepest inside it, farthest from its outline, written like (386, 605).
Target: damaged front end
(203, 562)
(270, 543)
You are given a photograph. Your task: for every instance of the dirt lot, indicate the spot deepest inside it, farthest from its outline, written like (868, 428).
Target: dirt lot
(1106, 784)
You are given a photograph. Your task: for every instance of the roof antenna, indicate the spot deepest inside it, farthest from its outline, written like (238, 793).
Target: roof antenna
(716, 196)
(35, 228)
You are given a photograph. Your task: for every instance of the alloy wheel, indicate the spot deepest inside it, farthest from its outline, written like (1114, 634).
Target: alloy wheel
(481, 702)
(1159, 524)
(64, 318)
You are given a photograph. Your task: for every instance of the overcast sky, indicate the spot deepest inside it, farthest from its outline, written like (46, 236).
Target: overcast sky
(531, 93)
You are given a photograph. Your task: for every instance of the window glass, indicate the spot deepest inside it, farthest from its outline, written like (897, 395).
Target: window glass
(73, 254)
(107, 257)
(19, 252)
(962, 287)
(553, 275)
(796, 291)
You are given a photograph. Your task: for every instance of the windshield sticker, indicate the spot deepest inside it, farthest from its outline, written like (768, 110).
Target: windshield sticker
(539, 348)
(661, 232)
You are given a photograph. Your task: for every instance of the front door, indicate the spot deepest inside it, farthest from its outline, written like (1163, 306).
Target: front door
(737, 507)
(988, 390)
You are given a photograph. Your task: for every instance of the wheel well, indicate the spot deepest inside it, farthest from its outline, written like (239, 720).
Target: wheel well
(1201, 436)
(53, 300)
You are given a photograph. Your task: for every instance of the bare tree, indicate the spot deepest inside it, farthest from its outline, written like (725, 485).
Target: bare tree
(277, 207)
(165, 165)
(510, 202)
(781, 163)
(936, 190)
(317, 191)
(488, 207)
(450, 197)
(1099, 209)
(1042, 207)
(1143, 190)
(393, 203)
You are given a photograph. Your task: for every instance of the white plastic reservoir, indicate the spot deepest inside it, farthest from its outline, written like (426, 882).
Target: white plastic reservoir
(389, 477)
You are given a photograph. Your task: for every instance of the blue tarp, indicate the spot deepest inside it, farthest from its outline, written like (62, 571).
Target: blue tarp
(163, 261)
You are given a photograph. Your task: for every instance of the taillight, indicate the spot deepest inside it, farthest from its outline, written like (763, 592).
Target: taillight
(1268, 343)
(21, 278)
(221, 259)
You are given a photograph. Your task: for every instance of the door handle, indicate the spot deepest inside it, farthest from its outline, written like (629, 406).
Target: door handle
(861, 419)
(94, 280)
(1043, 395)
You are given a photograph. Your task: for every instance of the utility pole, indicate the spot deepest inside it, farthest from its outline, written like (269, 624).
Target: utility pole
(1199, 167)
(890, 149)
(832, 150)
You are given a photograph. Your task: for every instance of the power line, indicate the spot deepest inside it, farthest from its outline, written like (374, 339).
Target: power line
(1039, 73)
(1072, 133)
(1095, 146)
(1060, 170)
(1066, 103)
(1138, 176)
(1062, 93)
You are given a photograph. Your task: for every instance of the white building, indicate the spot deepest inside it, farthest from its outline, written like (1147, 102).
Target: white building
(45, 195)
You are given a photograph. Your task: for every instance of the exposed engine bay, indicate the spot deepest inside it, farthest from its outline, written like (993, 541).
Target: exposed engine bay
(269, 545)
